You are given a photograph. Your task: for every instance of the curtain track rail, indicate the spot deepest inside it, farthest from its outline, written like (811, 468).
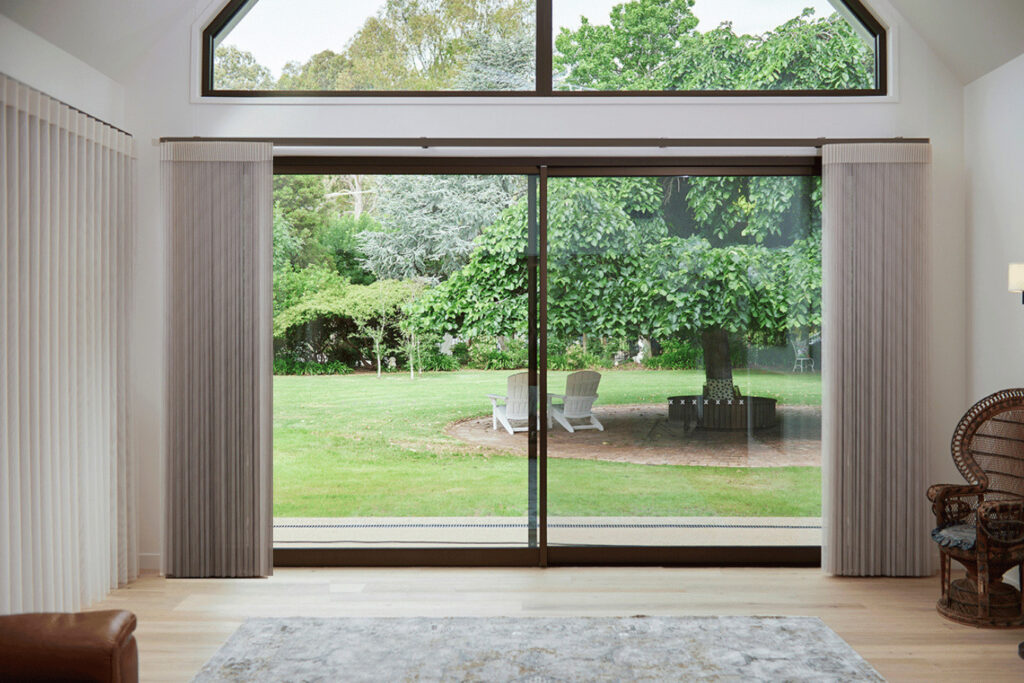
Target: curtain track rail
(664, 143)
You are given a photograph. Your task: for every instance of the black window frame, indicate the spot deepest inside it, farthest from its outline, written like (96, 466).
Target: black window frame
(235, 10)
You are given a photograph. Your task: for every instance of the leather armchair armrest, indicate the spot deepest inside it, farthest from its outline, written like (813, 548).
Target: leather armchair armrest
(81, 646)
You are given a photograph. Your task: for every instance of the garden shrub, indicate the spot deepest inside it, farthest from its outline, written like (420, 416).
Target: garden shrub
(431, 359)
(575, 358)
(485, 355)
(289, 366)
(460, 352)
(676, 354)
(684, 354)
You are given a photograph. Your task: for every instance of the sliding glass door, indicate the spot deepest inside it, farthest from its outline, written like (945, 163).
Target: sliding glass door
(683, 337)
(402, 336)
(579, 358)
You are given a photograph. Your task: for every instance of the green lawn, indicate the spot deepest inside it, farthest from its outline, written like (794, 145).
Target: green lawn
(358, 446)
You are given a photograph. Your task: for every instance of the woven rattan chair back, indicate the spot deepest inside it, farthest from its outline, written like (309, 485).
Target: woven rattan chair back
(988, 445)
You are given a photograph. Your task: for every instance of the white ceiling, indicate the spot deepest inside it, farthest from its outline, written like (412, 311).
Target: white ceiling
(112, 36)
(972, 37)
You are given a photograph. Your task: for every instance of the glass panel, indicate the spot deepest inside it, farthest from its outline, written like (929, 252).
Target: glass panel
(684, 329)
(400, 308)
(318, 45)
(710, 45)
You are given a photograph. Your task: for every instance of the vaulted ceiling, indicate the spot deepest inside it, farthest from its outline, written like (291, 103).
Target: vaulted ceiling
(971, 36)
(112, 36)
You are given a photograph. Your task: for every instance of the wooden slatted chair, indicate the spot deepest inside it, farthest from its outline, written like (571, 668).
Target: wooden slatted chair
(515, 404)
(577, 401)
(981, 524)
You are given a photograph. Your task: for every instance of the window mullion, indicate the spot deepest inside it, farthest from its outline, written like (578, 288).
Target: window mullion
(545, 40)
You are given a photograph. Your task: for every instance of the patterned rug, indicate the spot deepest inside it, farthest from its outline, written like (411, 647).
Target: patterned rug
(537, 649)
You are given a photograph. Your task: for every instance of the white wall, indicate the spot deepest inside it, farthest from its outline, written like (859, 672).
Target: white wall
(994, 150)
(37, 63)
(929, 103)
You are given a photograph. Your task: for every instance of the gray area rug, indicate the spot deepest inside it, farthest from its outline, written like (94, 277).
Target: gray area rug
(537, 649)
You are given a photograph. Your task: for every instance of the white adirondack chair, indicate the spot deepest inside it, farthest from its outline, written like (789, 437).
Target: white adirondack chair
(516, 404)
(577, 401)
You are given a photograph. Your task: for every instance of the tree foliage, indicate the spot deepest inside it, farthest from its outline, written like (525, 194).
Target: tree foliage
(655, 45)
(428, 223)
(393, 260)
(496, 62)
(325, 311)
(408, 45)
(323, 71)
(763, 209)
(235, 69)
(314, 224)
(614, 271)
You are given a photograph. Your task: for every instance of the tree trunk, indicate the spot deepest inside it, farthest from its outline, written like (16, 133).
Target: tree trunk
(357, 196)
(412, 355)
(717, 363)
(376, 352)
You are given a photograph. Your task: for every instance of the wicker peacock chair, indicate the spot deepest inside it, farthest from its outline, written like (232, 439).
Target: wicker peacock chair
(981, 525)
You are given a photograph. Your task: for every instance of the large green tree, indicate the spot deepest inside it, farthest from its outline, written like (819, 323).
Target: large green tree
(499, 62)
(235, 69)
(618, 269)
(428, 222)
(749, 258)
(323, 71)
(655, 45)
(318, 309)
(601, 235)
(424, 44)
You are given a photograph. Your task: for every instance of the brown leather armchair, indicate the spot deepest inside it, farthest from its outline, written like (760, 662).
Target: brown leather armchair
(82, 646)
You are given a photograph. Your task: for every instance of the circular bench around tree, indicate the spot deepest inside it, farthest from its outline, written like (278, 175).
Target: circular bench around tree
(739, 412)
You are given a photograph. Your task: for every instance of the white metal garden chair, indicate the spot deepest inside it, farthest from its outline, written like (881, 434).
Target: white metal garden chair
(577, 401)
(516, 404)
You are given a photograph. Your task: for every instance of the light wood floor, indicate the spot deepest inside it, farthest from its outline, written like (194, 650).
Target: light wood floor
(891, 622)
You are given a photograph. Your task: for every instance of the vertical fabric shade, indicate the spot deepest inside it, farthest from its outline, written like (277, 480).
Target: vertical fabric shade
(874, 461)
(218, 213)
(67, 478)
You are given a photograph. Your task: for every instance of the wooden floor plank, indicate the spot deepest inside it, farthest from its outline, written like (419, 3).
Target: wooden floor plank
(891, 622)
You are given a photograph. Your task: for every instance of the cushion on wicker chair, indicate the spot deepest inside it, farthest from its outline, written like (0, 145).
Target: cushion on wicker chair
(961, 536)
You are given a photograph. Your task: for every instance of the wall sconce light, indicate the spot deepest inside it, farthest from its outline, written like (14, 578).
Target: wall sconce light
(1017, 279)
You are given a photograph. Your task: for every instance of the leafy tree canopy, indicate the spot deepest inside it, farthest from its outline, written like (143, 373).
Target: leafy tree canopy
(323, 71)
(315, 224)
(499, 62)
(423, 44)
(235, 69)
(428, 223)
(615, 271)
(318, 293)
(655, 45)
(771, 210)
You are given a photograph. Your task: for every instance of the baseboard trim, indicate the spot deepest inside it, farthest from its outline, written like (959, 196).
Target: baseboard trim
(149, 563)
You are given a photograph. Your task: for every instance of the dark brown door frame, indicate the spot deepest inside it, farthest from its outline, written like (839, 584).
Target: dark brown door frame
(544, 555)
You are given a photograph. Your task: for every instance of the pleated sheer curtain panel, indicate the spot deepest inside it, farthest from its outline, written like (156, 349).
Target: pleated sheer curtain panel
(876, 519)
(218, 211)
(67, 475)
